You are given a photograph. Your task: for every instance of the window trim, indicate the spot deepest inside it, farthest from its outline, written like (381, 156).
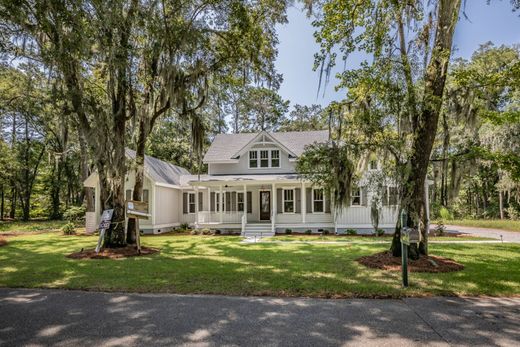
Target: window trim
(293, 200)
(238, 202)
(370, 162)
(322, 200)
(269, 158)
(360, 198)
(190, 203)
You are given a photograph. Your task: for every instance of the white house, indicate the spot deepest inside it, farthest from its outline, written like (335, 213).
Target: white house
(251, 187)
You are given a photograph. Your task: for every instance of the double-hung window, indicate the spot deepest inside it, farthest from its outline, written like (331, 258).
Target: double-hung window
(275, 158)
(356, 196)
(240, 202)
(393, 196)
(318, 201)
(253, 159)
(288, 200)
(372, 165)
(191, 202)
(264, 158)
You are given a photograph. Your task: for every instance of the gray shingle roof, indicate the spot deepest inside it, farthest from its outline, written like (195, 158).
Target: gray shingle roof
(161, 171)
(225, 146)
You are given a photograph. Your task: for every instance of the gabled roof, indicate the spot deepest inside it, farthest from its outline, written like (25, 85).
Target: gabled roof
(226, 146)
(160, 171)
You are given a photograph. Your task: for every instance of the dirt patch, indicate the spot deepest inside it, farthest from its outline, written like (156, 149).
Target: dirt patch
(386, 261)
(3, 242)
(113, 253)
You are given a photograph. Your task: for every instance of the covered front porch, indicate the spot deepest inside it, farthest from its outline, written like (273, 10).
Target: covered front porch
(254, 203)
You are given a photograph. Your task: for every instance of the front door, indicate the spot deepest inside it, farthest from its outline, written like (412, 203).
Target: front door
(265, 205)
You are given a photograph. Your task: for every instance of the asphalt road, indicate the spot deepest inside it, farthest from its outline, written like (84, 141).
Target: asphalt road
(77, 318)
(507, 236)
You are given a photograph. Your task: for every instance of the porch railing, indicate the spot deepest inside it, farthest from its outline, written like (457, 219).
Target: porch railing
(207, 217)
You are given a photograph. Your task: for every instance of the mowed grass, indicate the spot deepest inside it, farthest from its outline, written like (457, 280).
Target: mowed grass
(365, 239)
(503, 224)
(30, 226)
(224, 265)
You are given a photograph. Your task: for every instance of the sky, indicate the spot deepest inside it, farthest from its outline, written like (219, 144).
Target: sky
(495, 22)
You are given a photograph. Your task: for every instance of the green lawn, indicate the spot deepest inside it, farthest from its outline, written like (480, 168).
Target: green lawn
(365, 239)
(223, 265)
(31, 226)
(510, 225)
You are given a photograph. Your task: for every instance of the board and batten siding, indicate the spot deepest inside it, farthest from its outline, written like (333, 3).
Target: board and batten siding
(166, 206)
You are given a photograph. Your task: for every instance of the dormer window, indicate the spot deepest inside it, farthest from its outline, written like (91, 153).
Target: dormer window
(253, 159)
(372, 165)
(275, 158)
(264, 158)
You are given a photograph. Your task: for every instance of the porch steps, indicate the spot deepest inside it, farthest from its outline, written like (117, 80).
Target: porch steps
(258, 230)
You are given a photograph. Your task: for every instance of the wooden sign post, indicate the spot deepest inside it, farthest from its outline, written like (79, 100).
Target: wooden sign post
(137, 210)
(106, 219)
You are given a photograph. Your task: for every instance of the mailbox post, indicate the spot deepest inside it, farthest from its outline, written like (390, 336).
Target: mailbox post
(408, 236)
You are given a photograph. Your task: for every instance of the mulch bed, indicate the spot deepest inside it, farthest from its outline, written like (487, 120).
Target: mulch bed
(386, 261)
(3, 242)
(113, 253)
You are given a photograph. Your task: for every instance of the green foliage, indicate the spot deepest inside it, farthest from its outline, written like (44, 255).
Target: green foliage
(184, 226)
(440, 229)
(445, 214)
(304, 118)
(69, 228)
(74, 214)
(288, 231)
(351, 232)
(380, 232)
(308, 231)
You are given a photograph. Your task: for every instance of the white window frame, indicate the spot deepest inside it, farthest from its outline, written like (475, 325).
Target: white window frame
(222, 204)
(240, 194)
(255, 159)
(271, 158)
(293, 200)
(388, 196)
(258, 158)
(370, 165)
(322, 200)
(268, 158)
(360, 197)
(194, 203)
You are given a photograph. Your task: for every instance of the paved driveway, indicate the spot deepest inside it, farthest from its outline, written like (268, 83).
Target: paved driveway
(509, 236)
(76, 318)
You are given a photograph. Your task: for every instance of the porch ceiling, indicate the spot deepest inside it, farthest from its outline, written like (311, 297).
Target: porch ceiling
(240, 180)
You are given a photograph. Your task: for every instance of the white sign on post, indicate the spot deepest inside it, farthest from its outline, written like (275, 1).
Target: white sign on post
(106, 219)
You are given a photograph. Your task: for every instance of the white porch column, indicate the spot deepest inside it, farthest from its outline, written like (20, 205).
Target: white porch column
(209, 204)
(273, 198)
(275, 201)
(196, 207)
(221, 205)
(304, 202)
(245, 203)
(97, 203)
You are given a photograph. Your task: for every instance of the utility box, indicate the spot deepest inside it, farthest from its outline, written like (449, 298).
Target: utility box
(409, 235)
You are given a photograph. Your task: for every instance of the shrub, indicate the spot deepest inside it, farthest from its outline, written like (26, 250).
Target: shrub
(205, 231)
(440, 229)
(288, 231)
(69, 229)
(380, 232)
(184, 226)
(351, 232)
(445, 214)
(217, 232)
(74, 214)
(513, 213)
(325, 232)
(194, 232)
(308, 231)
